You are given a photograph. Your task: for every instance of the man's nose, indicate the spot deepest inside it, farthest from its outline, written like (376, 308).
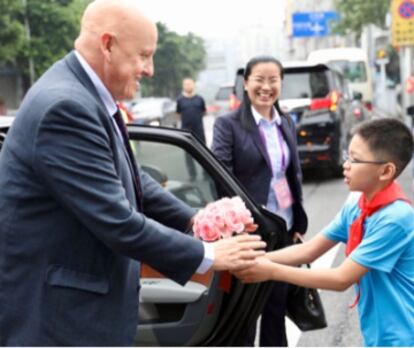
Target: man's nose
(148, 68)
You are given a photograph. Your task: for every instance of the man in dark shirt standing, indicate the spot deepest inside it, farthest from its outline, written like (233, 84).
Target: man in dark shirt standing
(191, 108)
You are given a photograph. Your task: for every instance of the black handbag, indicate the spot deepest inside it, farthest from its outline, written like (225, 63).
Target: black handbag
(304, 308)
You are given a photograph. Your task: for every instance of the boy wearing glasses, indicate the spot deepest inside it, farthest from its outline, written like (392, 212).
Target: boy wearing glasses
(378, 230)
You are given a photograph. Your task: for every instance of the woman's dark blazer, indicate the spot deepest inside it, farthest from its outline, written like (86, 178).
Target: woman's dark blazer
(244, 154)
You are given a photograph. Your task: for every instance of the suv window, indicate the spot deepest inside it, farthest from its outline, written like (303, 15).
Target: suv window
(341, 85)
(297, 84)
(353, 71)
(224, 93)
(177, 171)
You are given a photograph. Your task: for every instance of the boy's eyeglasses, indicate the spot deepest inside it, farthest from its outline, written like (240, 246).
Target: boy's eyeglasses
(347, 158)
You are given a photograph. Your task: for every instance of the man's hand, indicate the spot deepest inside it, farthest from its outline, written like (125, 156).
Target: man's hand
(261, 271)
(237, 252)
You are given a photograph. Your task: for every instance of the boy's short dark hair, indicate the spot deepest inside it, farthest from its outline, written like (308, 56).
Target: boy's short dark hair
(389, 139)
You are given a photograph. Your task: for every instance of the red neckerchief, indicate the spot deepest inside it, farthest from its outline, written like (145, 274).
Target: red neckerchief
(388, 195)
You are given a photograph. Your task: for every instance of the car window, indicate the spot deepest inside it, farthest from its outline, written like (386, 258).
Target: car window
(336, 79)
(239, 84)
(342, 86)
(312, 84)
(353, 71)
(2, 138)
(176, 170)
(224, 93)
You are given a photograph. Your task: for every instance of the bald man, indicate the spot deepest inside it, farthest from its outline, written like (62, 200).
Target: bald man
(77, 215)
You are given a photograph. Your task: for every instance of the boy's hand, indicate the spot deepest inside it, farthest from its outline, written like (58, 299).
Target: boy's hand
(261, 271)
(238, 252)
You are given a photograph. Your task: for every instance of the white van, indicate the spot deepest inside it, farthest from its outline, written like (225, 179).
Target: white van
(353, 62)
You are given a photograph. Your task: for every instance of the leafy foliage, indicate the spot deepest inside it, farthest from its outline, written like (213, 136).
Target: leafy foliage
(54, 24)
(12, 34)
(355, 14)
(176, 57)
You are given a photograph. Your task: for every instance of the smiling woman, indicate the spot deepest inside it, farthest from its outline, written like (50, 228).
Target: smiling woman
(257, 143)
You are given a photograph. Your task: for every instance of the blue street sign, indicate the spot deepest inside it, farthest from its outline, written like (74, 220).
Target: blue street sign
(307, 24)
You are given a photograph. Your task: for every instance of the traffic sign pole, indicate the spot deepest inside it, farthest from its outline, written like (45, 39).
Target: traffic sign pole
(402, 30)
(406, 69)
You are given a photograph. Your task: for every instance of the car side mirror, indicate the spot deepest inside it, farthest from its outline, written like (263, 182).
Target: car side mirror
(357, 95)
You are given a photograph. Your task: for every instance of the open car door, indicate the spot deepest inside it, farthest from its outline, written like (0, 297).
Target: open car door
(213, 309)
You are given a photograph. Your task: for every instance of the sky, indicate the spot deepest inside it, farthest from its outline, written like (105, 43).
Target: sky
(213, 18)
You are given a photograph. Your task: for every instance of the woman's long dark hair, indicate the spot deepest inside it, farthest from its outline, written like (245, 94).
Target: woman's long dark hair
(246, 103)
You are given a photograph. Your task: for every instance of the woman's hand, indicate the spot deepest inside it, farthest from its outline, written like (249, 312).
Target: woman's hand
(261, 271)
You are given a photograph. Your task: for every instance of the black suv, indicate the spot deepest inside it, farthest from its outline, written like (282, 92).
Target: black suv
(323, 108)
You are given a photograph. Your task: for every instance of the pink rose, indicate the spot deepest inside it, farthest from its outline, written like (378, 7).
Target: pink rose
(207, 230)
(223, 218)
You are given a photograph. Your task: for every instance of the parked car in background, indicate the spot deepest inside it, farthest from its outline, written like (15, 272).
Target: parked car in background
(155, 112)
(353, 63)
(5, 123)
(206, 311)
(320, 102)
(224, 101)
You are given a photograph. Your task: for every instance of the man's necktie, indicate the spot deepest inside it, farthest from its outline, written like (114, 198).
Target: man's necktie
(137, 182)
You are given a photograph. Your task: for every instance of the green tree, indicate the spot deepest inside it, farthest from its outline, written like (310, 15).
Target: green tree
(12, 34)
(54, 24)
(355, 14)
(177, 57)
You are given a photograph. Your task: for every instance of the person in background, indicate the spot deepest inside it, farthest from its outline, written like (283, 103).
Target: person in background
(78, 216)
(3, 109)
(191, 109)
(257, 143)
(378, 230)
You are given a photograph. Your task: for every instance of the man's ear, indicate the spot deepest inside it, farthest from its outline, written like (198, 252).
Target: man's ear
(106, 44)
(389, 171)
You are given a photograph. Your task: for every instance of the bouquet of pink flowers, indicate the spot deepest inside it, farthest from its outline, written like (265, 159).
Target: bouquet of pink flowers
(223, 218)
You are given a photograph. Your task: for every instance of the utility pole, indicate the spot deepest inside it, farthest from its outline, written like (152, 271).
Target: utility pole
(406, 68)
(402, 30)
(29, 38)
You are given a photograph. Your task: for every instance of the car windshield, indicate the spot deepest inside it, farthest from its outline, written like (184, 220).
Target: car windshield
(312, 84)
(353, 71)
(224, 93)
